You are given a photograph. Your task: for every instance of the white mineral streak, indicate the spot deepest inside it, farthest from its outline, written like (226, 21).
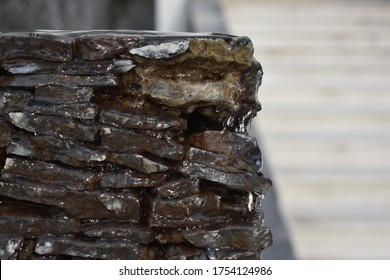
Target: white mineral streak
(163, 50)
(19, 119)
(97, 156)
(106, 130)
(152, 167)
(123, 65)
(250, 202)
(20, 150)
(112, 203)
(45, 248)
(23, 69)
(9, 163)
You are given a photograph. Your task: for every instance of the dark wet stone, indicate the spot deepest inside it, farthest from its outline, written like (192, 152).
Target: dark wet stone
(237, 180)
(63, 94)
(69, 68)
(10, 245)
(56, 126)
(213, 159)
(178, 188)
(38, 80)
(197, 220)
(184, 252)
(104, 45)
(232, 254)
(86, 111)
(240, 149)
(5, 133)
(94, 249)
(121, 140)
(242, 237)
(142, 119)
(129, 179)
(14, 100)
(49, 148)
(108, 229)
(44, 46)
(181, 207)
(138, 162)
(82, 205)
(50, 174)
(169, 236)
(33, 221)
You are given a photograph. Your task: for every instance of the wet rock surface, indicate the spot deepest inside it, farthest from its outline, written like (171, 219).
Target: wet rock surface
(129, 145)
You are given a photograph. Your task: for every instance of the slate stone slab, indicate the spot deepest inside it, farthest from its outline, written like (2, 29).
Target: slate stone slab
(130, 179)
(69, 68)
(82, 205)
(84, 111)
(63, 94)
(179, 188)
(53, 125)
(49, 148)
(181, 207)
(125, 230)
(45, 46)
(142, 119)
(241, 150)
(31, 81)
(103, 45)
(142, 163)
(240, 181)
(121, 140)
(243, 237)
(49, 174)
(14, 100)
(30, 222)
(96, 249)
(196, 220)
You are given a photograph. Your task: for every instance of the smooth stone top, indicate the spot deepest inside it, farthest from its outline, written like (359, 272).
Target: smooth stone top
(63, 46)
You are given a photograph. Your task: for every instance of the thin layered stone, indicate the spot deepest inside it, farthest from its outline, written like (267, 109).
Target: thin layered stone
(142, 119)
(56, 126)
(83, 205)
(63, 94)
(96, 249)
(125, 230)
(14, 100)
(49, 148)
(237, 180)
(242, 237)
(121, 140)
(49, 174)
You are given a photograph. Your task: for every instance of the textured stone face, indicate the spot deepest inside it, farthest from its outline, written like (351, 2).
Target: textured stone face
(129, 145)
